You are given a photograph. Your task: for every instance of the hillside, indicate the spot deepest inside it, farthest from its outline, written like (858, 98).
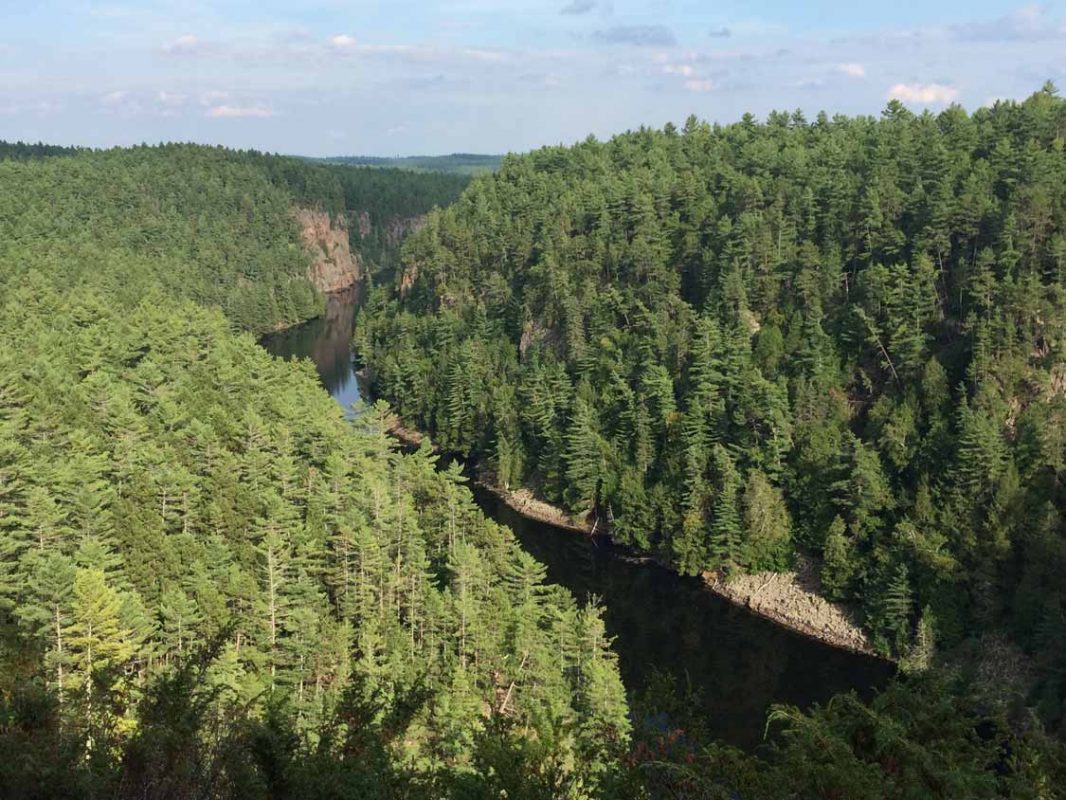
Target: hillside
(198, 552)
(213, 585)
(210, 225)
(732, 344)
(459, 163)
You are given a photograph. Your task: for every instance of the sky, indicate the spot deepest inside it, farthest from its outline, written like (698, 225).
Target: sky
(343, 77)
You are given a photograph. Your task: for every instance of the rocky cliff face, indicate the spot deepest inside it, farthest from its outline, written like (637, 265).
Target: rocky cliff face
(334, 266)
(395, 229)
(399, 228)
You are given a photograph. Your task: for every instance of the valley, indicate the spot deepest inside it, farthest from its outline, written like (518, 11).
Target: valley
(662, 624)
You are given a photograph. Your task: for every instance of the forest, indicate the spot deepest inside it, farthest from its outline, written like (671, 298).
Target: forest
(210, 225)
(214, 585)
(195, 543)
(731, 344)
(460, 163)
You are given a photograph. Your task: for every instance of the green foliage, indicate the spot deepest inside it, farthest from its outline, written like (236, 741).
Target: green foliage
(767, 527)
(843, 335)
(728, 337)
(165, 483)
(206, 224)
(838, 562)
(460, 163)
(920, 738)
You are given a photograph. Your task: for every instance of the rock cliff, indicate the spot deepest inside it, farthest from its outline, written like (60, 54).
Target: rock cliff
(334, 267)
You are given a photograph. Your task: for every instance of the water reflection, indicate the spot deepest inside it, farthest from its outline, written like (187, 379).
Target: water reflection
(740, 663)
(327, 341)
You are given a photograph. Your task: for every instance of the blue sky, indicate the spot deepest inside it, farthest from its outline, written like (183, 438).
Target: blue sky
(342, 77)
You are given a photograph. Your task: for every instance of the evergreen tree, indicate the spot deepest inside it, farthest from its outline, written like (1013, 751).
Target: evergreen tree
(838, 561)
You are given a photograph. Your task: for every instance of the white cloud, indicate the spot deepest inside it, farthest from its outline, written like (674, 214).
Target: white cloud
(122, 103)
(923, 93)
(637, 36)
(45, 107)
(342, 41)
(481, 54)
(852, 69)
(699, 85)
(171, 99)
(389, 49)
(169, 104)
(578, 7)
(213, 97)
(183, 44)
(684, 70)
(239, 112)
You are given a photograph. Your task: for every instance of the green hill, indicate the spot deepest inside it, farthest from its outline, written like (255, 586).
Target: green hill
(211, 582)
(842, 337)
(213, 585)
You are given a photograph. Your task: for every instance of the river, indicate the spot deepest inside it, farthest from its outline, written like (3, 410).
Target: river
(739, 663)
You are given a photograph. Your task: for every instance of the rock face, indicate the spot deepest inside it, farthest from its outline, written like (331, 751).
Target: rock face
(394, 230)
(334, 267)
(794, 600)
(399, 228)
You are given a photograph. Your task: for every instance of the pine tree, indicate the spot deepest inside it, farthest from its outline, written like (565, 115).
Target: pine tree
(890, 610)
(600, 695)
(725, 532)
(838, 562)
(46, 611)
(97, 639)
(583, 458)
(180, 619)
(274, 557)
(767, 525)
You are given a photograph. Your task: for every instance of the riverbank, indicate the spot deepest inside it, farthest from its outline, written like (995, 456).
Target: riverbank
(790, 599)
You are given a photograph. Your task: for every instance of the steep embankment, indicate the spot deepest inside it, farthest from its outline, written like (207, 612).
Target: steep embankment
(218, 227)
(334, 267)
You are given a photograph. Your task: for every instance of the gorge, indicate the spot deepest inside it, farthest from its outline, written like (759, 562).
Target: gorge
(739, 663)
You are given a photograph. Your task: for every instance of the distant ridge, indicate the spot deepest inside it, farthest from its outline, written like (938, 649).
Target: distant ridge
(27, 150)
(462, 163)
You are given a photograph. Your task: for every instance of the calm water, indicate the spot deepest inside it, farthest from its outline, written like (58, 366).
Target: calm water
(740, 663)
(327, 341)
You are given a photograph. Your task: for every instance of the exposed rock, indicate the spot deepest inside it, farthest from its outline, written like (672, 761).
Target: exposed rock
(333, 265)
(531, 507)
(399, 228)
(394, 230)
(408, 436)
(408, 278)
(362, 224)
(793, 599)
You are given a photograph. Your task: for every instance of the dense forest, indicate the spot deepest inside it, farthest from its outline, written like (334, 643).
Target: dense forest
(380, 203)
(167, 484)
(26, 150)
(734, 343)
(214, 585)
(460, 163)
(195, 542)
(207, 224)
